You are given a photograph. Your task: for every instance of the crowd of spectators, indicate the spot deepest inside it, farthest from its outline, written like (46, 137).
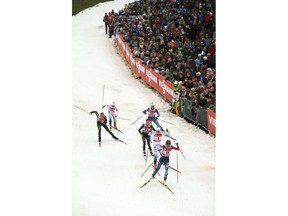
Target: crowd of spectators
(176, 38)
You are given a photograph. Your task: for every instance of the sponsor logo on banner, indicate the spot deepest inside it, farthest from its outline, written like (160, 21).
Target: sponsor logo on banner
(211, 118)
(127, 52)
(151, 76)
(140, 67)
(165, 88)
(132, 59)
(123, 45)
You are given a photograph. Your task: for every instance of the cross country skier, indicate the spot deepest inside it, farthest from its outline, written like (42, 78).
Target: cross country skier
(152, 111)
(112, 114)
(164, 159)
(102, 121)
(146, 128)
(156, 140)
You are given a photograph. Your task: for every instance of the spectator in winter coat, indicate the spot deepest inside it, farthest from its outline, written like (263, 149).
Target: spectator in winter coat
(105, 20)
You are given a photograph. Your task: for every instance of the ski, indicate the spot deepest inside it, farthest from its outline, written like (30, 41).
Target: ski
(174, 169)
(99, 144)
(146, 182)
(118, 130)
(122, 141)
(165, 185)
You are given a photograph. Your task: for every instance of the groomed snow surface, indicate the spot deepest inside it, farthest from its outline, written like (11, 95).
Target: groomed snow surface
(107, 180)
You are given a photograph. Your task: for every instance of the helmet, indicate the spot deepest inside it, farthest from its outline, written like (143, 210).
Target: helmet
(113, 103)
(175, 83)
(158, 129)
(168, 142)
(152, 105)
(101, 114)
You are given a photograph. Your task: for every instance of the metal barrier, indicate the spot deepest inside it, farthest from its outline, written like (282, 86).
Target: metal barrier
(196, 114)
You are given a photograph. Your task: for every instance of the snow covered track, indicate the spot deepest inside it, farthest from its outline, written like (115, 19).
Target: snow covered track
(106, 180)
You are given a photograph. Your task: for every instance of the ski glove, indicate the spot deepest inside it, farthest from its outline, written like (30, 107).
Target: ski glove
(144, 112)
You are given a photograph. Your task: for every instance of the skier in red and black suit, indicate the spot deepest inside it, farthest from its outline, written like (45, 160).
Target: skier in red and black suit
(146, 129)
(102, 121)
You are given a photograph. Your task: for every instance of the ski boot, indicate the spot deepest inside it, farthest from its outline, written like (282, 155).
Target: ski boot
(164, 181)
(110, 126)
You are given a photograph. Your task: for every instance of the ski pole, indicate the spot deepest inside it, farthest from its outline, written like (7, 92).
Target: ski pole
(138, 118)
(177, 168)
(175, 142)
(179, 149)
(103, 95)
(81, 109)
(166, 121)
(146, 154)
(143, 139)
(181, 152)
(147, 168)
(124, 119)
(174, 169)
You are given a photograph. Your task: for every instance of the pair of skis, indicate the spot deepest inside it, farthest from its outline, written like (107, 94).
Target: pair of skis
(162, 183)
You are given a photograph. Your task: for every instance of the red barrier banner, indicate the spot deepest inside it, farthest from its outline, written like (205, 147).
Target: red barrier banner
(127, 54)
(132, 62)
(121, 43)
(211, 118)
(152, 78)
(118, 40)
(140, 68)
(165, 88)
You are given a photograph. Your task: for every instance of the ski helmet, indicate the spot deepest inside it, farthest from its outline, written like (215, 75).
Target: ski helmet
(158, 129)
(101, 114)
(168, 142)
(113, 103)
(152, 105)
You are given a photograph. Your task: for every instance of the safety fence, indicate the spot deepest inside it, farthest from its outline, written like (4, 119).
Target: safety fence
(205, 118)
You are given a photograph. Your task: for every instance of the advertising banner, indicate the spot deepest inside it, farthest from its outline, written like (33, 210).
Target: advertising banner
(132, 62)
(122, 44)
(127, 54)
(152, 78)
(165, 88)
(140, 68)
(211, 121)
